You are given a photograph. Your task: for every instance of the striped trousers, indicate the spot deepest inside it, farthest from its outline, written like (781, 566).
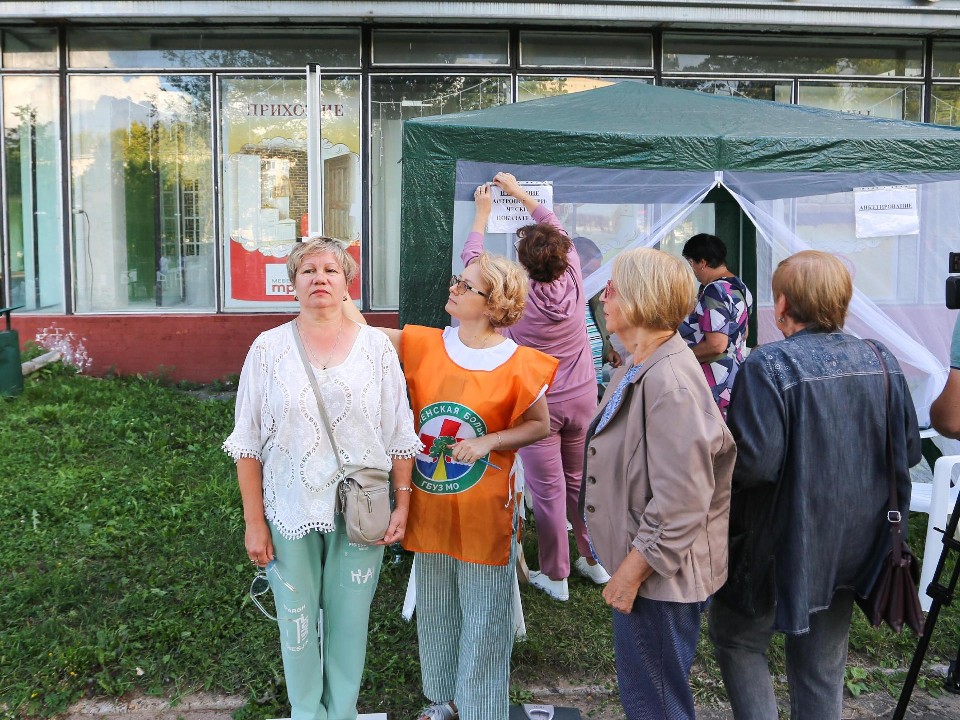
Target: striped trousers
(465, 630)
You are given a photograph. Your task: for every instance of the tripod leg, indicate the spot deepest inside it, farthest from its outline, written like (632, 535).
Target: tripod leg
(917, 662)
(942, 595)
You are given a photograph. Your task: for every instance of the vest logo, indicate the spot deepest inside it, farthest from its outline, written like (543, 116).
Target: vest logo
(443, 425)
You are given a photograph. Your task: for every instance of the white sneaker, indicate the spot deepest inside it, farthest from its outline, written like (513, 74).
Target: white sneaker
(596, 573)
(557, 589)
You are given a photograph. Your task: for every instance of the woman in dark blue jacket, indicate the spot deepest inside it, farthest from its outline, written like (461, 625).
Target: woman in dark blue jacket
(808, 527)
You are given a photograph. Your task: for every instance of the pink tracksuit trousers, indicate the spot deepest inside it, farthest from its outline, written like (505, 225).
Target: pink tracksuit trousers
(552, 469)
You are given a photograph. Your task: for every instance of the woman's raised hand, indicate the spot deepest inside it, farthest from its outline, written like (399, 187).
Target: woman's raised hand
(481, 202)
(508, 183)
(482, 199)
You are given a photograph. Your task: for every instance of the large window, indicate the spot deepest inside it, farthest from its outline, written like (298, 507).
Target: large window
(945, 105)
(534, 87)
(143, 234)
(394, 99)
(583, 49)
(194, 48)
(31, 147)
(776, 90)
(945, 98)
(28, 48)
(431, 47)
(266, 180)
(891, 101)
(759, 54)
(946, 59)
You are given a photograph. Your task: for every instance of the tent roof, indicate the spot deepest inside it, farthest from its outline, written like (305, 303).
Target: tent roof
(632, 124)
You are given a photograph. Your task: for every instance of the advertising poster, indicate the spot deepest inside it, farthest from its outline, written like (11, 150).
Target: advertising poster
(265, 181)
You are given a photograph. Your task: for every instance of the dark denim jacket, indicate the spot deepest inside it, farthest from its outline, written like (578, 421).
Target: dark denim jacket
(810, 486)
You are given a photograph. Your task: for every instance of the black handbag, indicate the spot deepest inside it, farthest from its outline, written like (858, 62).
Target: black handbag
(894, 598)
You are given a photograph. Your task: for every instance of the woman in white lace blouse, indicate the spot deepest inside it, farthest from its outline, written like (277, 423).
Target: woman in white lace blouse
(288, 475)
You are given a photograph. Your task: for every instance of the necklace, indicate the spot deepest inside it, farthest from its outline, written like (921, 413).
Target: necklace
(322, 363)
(482, 345)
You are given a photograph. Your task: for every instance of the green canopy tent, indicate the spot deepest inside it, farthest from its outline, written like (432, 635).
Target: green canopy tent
(629, 162)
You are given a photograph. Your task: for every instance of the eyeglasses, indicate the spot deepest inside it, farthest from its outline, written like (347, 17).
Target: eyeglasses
(609, 291)
(462, 286)
(260, 586)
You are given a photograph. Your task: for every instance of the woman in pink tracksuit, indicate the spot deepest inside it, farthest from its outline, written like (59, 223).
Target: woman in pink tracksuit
(552, 322)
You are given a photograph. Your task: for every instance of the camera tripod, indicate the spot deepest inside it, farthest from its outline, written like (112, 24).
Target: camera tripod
(942, 594)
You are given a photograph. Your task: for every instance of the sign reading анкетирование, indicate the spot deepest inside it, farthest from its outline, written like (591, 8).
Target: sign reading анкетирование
(887, 210)
(507, 214)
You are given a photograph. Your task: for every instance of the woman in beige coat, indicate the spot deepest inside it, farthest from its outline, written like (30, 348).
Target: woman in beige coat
(656, 495)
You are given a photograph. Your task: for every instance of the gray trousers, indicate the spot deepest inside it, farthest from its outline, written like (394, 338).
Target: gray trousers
(815, 661)
(465, 628)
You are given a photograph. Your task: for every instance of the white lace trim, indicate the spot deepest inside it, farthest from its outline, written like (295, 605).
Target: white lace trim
(407, 453)
(302, 530)
(237, 452)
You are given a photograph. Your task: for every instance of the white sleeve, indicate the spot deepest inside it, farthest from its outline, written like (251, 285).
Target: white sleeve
(396, 418)
(245, 440)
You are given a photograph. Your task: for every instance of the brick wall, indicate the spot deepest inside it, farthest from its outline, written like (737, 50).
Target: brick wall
(198, 348)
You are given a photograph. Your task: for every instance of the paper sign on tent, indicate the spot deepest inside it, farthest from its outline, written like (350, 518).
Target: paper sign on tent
(507, 214)
(886, 210)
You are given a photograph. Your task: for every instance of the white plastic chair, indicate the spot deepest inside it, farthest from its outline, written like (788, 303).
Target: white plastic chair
(937, 500)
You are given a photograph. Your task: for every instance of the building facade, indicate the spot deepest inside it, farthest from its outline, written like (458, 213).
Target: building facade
(158, 163)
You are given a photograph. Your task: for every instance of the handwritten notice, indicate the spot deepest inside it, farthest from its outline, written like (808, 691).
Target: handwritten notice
(507, 214)
(887, 210)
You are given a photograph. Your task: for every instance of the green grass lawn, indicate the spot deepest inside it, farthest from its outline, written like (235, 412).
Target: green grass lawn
(123, 569)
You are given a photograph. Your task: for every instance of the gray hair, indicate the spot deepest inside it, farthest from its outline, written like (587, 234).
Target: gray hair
(320, 244)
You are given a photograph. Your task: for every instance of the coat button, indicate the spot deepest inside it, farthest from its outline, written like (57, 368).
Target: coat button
(592, 451)
(591, 480)
(591, 508)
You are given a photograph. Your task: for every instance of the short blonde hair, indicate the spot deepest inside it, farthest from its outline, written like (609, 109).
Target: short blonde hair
(655, 290)
(507, 286)
(320, 244)
(817, 286)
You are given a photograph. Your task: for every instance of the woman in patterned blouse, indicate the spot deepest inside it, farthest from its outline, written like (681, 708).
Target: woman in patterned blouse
(716, 330)
(288, 474)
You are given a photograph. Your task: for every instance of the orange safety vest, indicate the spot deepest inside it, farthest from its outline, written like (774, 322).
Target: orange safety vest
(465, 511)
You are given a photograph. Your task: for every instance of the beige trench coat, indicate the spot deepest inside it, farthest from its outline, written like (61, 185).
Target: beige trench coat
(657, 478)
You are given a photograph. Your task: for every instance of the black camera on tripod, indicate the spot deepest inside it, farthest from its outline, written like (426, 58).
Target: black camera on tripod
(953, 282)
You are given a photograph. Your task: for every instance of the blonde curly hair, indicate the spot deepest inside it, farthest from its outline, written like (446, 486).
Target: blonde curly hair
(508, 285)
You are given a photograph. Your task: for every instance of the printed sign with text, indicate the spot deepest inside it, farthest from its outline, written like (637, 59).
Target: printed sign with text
(508, 214)
(887, 210)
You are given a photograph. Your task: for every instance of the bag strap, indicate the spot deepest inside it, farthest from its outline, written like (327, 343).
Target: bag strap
(893, 512)
(311, 376)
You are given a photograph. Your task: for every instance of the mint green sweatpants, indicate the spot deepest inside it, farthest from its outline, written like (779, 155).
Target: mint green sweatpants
(326, 572)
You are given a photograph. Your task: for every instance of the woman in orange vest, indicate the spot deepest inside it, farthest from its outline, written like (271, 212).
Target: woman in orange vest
(477, 397)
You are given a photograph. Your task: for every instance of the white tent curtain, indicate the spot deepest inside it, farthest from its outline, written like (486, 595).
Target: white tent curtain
(899, 280)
